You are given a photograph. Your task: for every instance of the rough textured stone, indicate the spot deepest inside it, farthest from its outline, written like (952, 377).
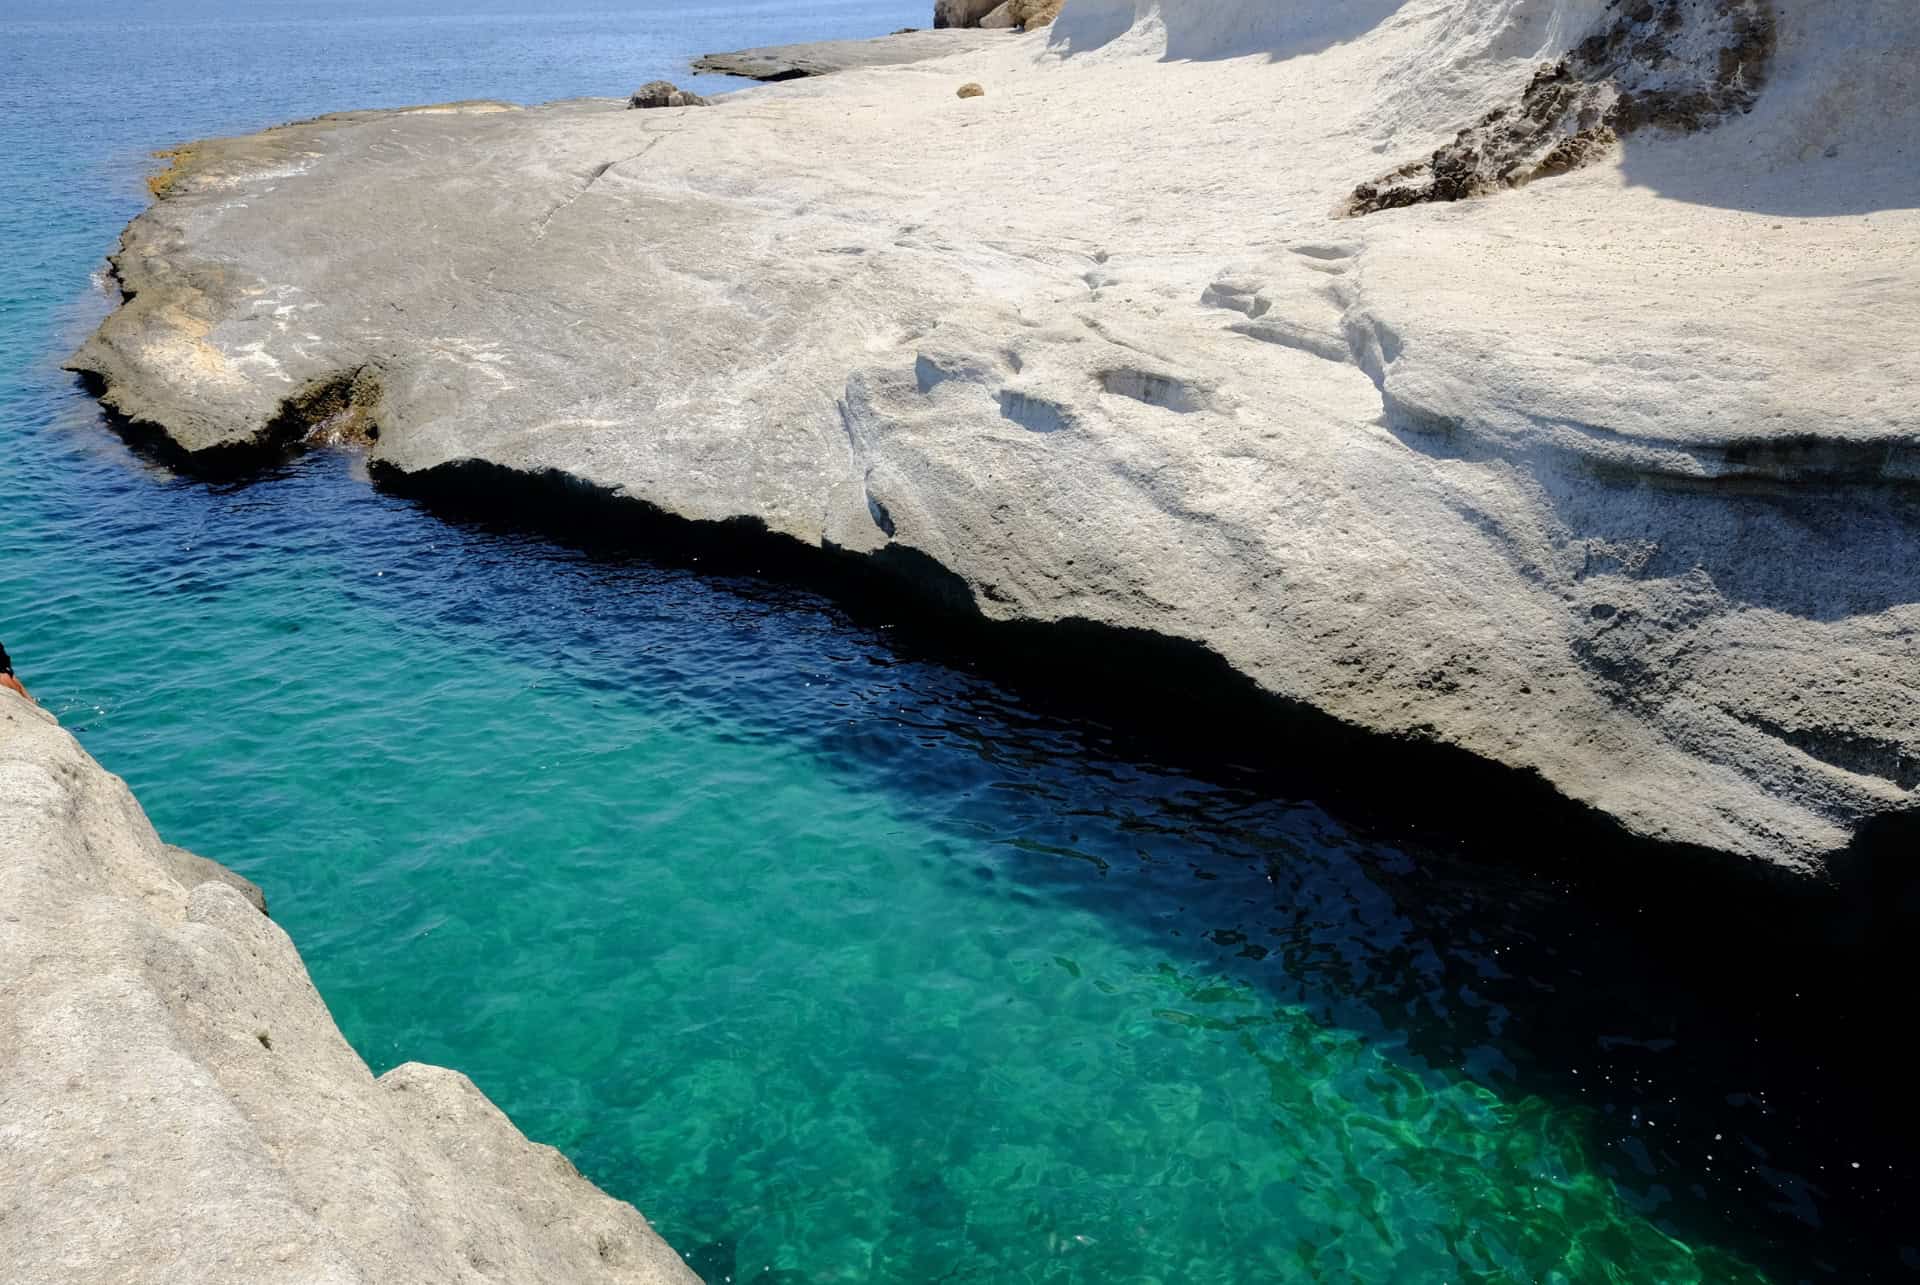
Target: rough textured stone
(821, 58)
(962, 13)
(971, 90)
(664, 93)
(176, 1104)
(1031, 14)
(1613, 479)
(1000, 17)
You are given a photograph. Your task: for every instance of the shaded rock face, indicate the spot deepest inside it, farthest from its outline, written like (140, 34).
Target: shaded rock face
(1617, 485)
(176, 1104)
(1675, 65)
(662, 93)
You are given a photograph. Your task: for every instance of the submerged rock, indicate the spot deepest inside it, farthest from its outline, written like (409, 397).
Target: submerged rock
(177, 1104)
(1614, 480)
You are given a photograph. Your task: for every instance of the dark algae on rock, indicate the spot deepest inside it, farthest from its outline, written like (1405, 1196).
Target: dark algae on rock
(1675, 65)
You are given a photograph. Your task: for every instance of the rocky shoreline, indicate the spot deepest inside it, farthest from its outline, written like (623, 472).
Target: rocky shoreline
(179, 1105)
(1439, 474)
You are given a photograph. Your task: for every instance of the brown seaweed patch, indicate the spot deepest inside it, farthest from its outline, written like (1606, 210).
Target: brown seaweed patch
(337, 411)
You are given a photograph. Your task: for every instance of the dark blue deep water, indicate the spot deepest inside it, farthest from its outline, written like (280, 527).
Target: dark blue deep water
(842, 962)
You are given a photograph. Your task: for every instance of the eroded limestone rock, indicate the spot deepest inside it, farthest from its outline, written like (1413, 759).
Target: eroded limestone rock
(664, 93)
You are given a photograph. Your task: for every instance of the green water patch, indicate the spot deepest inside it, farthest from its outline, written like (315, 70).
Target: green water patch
(841, 965)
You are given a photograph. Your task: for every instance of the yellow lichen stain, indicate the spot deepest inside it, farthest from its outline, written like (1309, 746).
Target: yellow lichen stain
(178, 159)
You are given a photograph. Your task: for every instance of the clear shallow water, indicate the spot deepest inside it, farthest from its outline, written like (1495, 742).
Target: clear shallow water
(841, 963)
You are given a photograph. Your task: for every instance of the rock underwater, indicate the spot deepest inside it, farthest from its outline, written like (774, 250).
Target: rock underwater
(1613, 480)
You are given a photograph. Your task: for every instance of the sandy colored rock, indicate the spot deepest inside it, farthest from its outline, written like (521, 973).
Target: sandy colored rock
(1610, 479)
(999, 18)
(664, 93)
(176, 1104)
(962, 13)
(1031, 14)
(971, 90)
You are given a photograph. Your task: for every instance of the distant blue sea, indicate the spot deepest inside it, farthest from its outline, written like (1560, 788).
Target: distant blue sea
(842, 963)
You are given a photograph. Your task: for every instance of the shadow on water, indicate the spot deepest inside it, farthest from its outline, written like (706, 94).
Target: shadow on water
(1725, 1036)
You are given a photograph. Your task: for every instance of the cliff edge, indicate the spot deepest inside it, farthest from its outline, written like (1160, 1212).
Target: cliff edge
(176, 1104)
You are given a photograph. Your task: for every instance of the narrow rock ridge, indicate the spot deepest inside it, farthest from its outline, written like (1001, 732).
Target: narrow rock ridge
(1609, 481)
(825, 57)
(178, 1106)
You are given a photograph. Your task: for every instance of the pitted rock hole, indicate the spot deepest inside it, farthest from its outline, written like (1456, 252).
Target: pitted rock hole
(1036, 414)
(1155, 390)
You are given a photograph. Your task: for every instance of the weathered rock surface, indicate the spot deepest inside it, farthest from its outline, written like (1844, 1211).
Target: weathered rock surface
(664, 93)
(1001, 16)
(823, 58)
(962, 13)
(1033, 14)
(176, 1104)
(1614, 479)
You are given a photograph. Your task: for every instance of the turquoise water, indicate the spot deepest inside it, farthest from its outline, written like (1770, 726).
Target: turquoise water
(842, 963)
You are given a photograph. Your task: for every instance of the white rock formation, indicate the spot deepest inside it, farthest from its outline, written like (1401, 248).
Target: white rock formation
(176, 1105)
(1611, 478)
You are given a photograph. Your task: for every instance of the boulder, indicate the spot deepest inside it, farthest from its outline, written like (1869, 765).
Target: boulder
(663, 93)
(1001, 17)
(971, 90)
(1029, 14)
(962, 13)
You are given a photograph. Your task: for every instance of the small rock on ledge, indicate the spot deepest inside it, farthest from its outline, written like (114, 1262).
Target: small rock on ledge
(971, 90)
(663, 93)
